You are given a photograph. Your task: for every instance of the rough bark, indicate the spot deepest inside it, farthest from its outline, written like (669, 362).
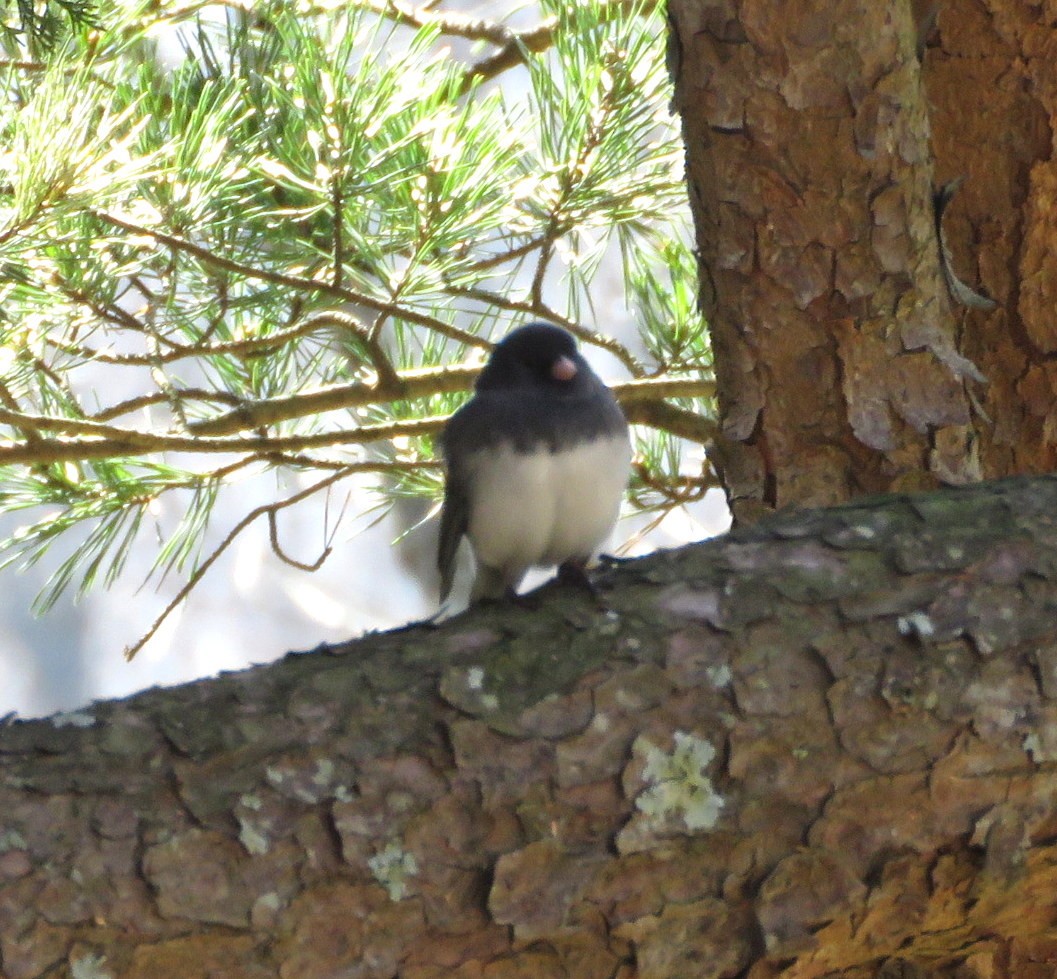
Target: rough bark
(820, 746)
(808, 156)
(815, 134)
(988, 70)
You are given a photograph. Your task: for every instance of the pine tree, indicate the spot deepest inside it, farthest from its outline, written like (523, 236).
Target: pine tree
(286, 246)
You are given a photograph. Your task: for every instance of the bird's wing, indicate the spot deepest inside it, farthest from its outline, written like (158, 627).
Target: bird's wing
(470, 428)
(454, 519)
(455, 513)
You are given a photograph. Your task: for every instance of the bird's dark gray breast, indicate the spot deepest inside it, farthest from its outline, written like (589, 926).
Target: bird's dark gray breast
(528, 420)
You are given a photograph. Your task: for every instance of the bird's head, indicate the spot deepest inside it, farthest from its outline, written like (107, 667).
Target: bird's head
(536, 355)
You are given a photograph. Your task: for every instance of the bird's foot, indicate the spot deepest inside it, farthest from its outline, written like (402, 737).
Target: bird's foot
(508, 596)
(574, 573)
(530, 602)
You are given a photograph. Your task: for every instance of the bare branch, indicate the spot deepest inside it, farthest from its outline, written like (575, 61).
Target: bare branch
(519, 251)
(109, 312)
(383, 366)
(247, 347)
(670, 418)
(271, 509)
(277, 549)
(538, 39)
(407, 385)
(70, 426)
(511, 54)
(161, 397)
(641, 398)
(419, 384)
(680, 490)
(127, 442)
(451, 23)
(544, 311)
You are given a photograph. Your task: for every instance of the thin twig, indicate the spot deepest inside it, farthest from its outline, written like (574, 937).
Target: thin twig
(246, 347)
(277, 549)
(295, 281)
(543, 310)
(10, 402)
(677, 490)
(338, 203)
(110, 313)
(160, 397)
(520, 251)
(228, 540)
(388, 377)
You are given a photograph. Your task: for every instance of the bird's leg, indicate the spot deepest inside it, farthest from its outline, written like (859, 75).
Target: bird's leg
(494, 586)
(574, 572)
(530, 602)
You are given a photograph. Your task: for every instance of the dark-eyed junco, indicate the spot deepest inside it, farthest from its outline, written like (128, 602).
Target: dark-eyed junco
(537, 463)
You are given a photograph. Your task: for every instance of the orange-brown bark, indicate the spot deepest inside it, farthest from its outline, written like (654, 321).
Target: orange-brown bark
(808, 155)
(814, 138)
(989, 73)
(821, 746)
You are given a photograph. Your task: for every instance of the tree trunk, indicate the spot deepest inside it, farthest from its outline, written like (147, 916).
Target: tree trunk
(823, 745)
(815, 137)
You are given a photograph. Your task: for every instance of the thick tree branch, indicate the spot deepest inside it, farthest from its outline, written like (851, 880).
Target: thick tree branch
(820, 746)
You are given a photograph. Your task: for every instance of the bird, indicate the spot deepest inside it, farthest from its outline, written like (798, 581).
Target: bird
(536, 465)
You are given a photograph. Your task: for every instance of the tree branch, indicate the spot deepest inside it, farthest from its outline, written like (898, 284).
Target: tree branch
(536, 40)
(125, 443)
(536, 307)
(641, 398)
(448, 22)
(160, 397)
(408, 385)
(668, 417)
(247, 347)
(296, 282)
(428, 381)
(821, 746)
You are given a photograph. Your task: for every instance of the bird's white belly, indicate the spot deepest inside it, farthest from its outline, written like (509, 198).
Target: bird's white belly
(546, 508)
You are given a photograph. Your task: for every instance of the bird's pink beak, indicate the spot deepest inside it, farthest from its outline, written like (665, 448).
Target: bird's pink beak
(563, 369)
